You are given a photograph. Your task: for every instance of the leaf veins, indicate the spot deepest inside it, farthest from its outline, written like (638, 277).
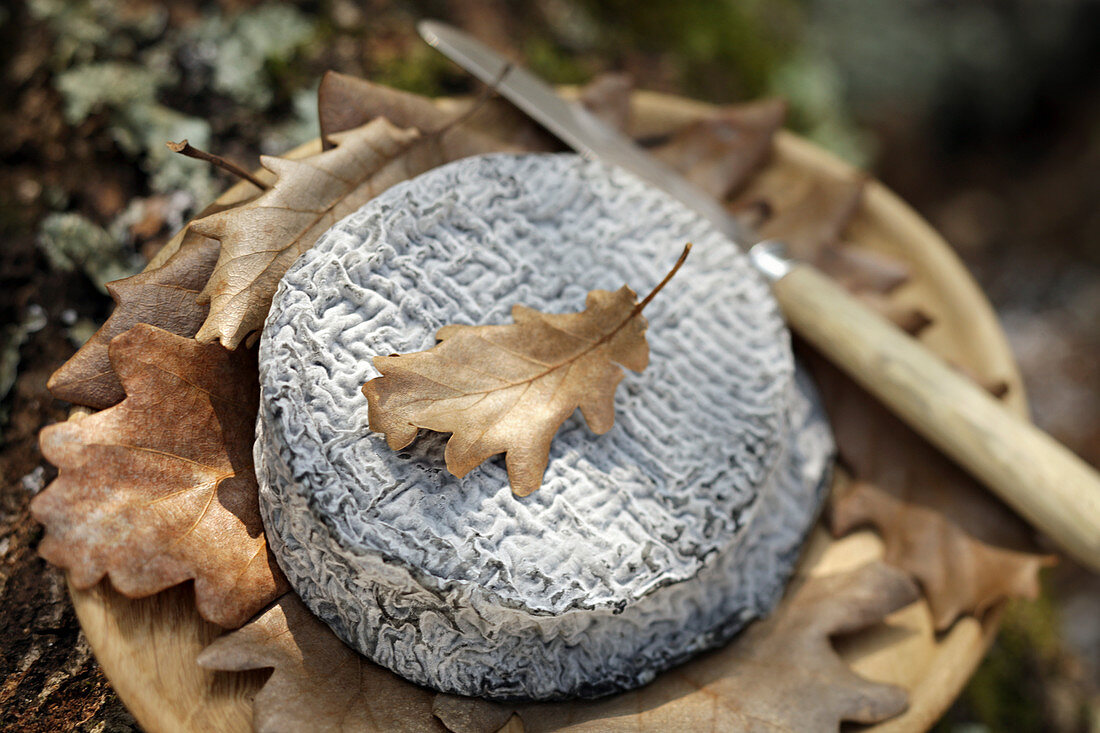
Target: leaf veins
(160, 489)
(318, 683)
(166, 297)
(508, 388)
(261, 239)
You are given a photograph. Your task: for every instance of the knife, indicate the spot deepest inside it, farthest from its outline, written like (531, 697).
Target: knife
(1040, 478)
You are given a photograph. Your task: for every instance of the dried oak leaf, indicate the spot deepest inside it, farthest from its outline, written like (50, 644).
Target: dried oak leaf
(262, 238)
(508, 388)
(861, 270)
(160, 489)
(345, 102)
(780, 674)
(911, 320)
(720, 153)
(166, 297)
(318, 683)
(471, 715)
(810, 212)
(966, 549)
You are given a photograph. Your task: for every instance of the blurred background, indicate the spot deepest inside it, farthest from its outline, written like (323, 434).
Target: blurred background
(983, 114)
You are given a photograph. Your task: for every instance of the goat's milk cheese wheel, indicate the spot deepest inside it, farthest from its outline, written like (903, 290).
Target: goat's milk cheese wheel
(645, 545)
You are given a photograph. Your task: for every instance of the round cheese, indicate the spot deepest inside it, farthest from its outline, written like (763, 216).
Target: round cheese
(659, 539)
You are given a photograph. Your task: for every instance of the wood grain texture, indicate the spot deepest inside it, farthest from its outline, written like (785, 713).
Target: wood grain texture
(148, 647)
(1040, 478)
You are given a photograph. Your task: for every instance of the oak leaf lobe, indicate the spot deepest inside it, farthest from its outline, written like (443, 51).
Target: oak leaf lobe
(967, 550)
(166, 297)
(508, 388)
(261, 239)
(319, 683)
(159, 489)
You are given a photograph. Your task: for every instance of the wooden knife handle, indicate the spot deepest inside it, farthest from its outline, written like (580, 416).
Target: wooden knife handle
(1046, 483)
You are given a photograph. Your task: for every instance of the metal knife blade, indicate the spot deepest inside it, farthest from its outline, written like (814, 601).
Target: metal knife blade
(572, 123)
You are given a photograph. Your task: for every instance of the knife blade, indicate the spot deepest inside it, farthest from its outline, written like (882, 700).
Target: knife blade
(1040, 478)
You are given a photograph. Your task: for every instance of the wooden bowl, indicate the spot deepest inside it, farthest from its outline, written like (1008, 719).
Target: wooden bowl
(147, 647)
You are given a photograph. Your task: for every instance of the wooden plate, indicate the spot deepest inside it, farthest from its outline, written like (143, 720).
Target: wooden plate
(147, 647)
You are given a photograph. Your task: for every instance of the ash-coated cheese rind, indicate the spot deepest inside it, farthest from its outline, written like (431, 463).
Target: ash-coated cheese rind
(644, 545)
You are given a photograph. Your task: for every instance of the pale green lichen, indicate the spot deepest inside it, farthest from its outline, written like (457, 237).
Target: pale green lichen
(71, 241)
(238, 52)
(85, 28)
(302, 126)
(108, 85)
(79, 333)
(168, 171)
(243, 49)
(422, 70)
(14, 335)
(139, 123)
(815, 93)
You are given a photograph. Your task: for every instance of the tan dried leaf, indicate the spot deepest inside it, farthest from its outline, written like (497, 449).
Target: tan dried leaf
(862, 270)
(966, 549)
(160, 488)
(166, 297)
(780, 674)
(721, 152)
(346, 102)
(318, 683)
(262, 238)
(470, 715)
(810, 212)
(508, 388)
(910, 319)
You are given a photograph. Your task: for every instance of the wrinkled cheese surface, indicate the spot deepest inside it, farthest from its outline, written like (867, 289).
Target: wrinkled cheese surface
(644, 545)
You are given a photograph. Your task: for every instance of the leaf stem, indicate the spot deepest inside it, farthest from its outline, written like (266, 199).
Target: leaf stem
(683, 256)
(185, 148)
(594, 345)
